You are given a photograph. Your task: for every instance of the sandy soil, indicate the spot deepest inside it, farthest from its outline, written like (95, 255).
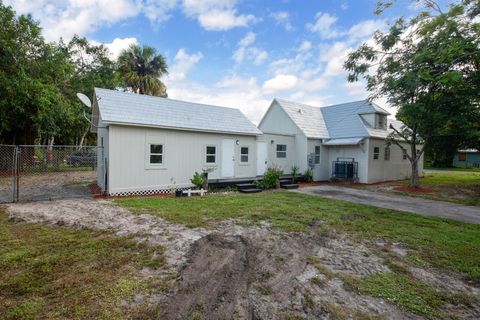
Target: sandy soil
(239, 271)
(49, 185)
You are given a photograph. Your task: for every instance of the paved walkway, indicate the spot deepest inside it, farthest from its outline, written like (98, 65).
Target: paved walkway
(416, 205)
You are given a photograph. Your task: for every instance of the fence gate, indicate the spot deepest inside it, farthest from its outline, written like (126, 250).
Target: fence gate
(32, 173)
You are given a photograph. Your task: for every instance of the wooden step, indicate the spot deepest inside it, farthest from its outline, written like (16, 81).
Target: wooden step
(242, 186)
(251, 190)
(284, 182)
(290, 186)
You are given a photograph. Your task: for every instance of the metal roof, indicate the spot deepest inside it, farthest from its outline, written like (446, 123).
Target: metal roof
(308, 119)
(135, 109)
(339, 121)
(343, 142)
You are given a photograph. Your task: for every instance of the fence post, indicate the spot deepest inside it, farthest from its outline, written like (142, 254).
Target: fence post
(17, 173)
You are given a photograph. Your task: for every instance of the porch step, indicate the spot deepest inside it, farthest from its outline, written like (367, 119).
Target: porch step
(289, 186)
(251, 190)
(242, 186)
(285, 182)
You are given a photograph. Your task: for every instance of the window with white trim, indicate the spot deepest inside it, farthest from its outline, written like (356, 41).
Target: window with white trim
(211, 154)
(376, 153)
(244, 154)
(281, 150)
(156, 154)
(387, 153)
(316, 159)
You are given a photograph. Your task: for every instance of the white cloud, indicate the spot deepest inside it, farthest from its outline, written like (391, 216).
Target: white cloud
(117, 45)
(282, 18)
(305, 46)
(217, 15)
(365, 29)
(64, 18)
(158, 11)
(281, 82)
(324, 26)
(245, 51)
(182, 64)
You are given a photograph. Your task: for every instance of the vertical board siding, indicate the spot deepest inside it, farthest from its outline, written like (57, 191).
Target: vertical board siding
(184, 153)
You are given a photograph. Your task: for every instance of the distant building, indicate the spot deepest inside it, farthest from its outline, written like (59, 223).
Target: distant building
(467, 158)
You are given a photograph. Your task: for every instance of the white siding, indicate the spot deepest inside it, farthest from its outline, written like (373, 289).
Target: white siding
(358, 152)
(102, 154)
(396, 168)
(276, 121)
(184, 153)
(320, 171)
(285, 163)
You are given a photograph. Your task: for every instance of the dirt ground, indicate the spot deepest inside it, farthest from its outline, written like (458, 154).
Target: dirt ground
(49, 185)
(240, 271)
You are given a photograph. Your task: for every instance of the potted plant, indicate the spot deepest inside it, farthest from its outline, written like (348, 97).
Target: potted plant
(271, 178)
(197, 180)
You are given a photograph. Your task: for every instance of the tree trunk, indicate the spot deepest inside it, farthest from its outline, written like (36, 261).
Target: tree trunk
(82, 139)
(414, 179)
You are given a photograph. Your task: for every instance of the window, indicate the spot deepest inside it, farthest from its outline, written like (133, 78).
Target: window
(381, 121)
(244, 154)
(387, 153)
(404, 154)
(316, 160)
(211, 154)
(462, 156)
(156, 153)
(281, 150)
(376, 153)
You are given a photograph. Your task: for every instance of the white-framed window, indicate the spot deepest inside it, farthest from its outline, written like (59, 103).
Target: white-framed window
(376, 153)
(210, 154)
(281, 150)
(316, 159)
(155, 154)
(387, 153)
(404, 154)
(244, 154)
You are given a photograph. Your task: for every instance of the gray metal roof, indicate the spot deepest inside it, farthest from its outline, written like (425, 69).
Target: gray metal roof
(136, 109)
(339, 121)
(309, 119)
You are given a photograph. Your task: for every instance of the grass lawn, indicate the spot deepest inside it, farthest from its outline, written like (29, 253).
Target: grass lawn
(435, 242)
(59, 273)
(459, 187)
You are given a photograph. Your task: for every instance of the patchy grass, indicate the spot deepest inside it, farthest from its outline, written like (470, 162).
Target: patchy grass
(59, 273)
(459, 187)
(411, 294)
(432, 241)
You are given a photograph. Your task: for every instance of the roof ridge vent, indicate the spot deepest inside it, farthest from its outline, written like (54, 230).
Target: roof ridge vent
(300, 111)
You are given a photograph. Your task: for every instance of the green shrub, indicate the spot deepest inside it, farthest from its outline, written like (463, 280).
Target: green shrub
(308, 175)
(272, 177)
(294, 171)
(197, 180)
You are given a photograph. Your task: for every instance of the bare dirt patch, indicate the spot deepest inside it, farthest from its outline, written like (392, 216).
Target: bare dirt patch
(236, 270)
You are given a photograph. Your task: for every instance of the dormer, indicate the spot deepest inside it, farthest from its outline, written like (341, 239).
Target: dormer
(375, 120)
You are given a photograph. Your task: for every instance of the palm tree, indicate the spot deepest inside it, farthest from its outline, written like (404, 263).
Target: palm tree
(140, 69)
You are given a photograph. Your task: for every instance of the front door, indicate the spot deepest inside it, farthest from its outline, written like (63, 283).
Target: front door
(261, 157)
(228, 158)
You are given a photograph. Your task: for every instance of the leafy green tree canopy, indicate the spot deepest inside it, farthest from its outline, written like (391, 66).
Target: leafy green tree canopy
(428, 67)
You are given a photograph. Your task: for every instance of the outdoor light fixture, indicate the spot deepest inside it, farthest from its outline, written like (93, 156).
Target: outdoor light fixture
(237, 142)
(271, 141)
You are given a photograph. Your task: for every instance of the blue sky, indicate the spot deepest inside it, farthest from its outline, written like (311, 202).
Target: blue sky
(232, 53)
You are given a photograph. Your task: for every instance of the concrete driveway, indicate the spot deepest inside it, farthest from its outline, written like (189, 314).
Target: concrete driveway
(416, 205)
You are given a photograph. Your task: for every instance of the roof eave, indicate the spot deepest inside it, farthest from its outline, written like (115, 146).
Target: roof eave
(132, 124)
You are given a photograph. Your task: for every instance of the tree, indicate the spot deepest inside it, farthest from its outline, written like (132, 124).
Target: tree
(140, 68)
(428, 68)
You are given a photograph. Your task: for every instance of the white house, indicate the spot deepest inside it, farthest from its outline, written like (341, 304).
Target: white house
(343, 141)
(153, 145)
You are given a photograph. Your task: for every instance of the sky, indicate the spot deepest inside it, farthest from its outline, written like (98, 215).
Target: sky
(231, 53)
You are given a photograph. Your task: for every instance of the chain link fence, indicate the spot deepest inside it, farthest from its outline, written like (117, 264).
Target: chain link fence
(32, 173)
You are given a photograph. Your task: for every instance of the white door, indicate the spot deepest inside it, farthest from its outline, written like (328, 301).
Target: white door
(228, 157)
(261, 157)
